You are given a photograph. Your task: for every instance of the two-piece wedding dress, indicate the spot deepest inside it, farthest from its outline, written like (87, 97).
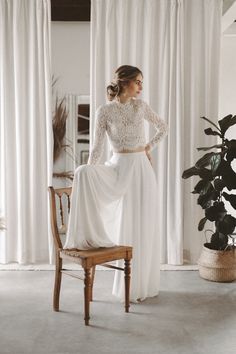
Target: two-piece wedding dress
(116, 203)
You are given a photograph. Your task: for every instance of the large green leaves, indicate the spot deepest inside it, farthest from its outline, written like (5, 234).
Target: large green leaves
(227, 225)
(216, 173)
(219, 241)
(219, 184)
(227, 173)
(204, 160)
(209, 131)
(215, 162)
(206, 148)
(204, 173)
(205, 199)
(226, 122)
(192, 171)
(231, 150)
(216, 212)
(231, 144)
(211, 158)
(210, 121)
(230, 198)
(202, 187)
(202, 224)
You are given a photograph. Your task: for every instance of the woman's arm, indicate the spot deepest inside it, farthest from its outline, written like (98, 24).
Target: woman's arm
(98, 144)
(159, 124)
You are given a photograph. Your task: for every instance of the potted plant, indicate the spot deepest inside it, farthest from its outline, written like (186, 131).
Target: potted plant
(217, 179)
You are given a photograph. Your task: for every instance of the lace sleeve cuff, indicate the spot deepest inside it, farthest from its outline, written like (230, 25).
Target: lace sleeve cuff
(100, 130)
(158, 123)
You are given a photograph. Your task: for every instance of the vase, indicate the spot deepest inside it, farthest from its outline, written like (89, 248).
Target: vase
(219, 266)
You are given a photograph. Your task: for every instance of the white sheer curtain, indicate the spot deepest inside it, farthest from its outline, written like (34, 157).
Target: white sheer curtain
(25, 128)
(176, 43)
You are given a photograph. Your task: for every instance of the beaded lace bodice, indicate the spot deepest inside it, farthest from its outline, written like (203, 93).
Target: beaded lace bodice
(124, 125)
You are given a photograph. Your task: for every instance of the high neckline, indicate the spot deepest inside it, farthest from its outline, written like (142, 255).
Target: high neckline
(124, 104)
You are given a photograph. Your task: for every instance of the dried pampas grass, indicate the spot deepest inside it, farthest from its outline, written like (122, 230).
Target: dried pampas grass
(59, 127)
(59, 118)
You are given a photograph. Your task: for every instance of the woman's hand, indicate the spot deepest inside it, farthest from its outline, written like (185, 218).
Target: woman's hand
(147, 150)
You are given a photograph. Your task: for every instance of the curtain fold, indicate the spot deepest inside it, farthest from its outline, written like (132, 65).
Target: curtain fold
(26, 129)
(176, 43)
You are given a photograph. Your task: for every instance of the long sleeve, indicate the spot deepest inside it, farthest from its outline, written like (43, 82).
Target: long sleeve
(158, 123)
(100, 130)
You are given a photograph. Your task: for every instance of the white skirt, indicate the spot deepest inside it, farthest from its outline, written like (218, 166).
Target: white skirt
(116, 204)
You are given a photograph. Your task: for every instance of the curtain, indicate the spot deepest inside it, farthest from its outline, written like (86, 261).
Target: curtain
(176, 44)
(25, 128)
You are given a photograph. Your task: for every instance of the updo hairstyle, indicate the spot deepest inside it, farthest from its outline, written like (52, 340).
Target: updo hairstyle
(123, 75)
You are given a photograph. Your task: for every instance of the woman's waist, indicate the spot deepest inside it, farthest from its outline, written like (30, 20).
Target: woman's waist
(129, 150)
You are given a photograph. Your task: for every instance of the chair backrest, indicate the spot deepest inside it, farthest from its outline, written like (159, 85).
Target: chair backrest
(53, 193)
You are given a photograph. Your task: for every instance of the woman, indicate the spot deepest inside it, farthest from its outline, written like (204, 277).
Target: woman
(116, 203)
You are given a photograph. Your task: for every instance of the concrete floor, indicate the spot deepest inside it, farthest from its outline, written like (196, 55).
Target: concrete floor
(190, 316)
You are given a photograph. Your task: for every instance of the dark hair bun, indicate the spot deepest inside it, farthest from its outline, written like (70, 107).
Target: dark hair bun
(112, 91)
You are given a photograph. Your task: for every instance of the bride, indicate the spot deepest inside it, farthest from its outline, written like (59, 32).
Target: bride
(116, 203)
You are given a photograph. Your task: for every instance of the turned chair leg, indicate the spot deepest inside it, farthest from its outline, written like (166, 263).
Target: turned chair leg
(87, 294)
(92, 281)
(57, 283)
(127, 284)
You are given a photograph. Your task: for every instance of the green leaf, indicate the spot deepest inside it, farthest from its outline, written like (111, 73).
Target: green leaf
(230, 198)
(202, 186)
(219, 184)
(216, 212)
(215, 162)
(209, 121)
(223, 123)
(210, 147)
(205, 173)
(205, 160)
(231, 150)
(227, 122)
(227, 173)
(204, 199)
(219, 241)
(231, 144)
(192, 171)
(227, 225)
(202, 224)
(230, 155)
(209, 131)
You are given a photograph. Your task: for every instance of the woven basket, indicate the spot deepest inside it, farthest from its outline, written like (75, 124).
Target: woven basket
(216, 265)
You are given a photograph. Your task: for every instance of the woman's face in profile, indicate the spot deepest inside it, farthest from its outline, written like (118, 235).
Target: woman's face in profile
(135, 86)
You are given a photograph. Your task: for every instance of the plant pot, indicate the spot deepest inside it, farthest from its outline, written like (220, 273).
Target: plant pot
(216, 265)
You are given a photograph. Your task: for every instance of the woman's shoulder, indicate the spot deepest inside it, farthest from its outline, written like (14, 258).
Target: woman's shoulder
(104, 108)
(101, 111)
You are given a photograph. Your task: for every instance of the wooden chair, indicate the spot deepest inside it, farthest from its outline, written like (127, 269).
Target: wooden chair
(87, 259)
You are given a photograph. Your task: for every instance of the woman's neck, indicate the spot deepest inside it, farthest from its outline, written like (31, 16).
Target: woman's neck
(123, 99)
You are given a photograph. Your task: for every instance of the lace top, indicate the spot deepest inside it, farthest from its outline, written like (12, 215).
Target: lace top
(124, 125)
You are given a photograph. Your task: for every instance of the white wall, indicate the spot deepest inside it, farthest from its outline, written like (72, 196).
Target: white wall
(227, 102)
(71, 65)
(70, 56)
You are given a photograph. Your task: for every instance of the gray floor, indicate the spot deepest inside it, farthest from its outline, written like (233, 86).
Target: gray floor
(190, 316)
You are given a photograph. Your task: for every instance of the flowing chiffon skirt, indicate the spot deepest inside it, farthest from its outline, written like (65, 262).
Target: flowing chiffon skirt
(116, 204)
